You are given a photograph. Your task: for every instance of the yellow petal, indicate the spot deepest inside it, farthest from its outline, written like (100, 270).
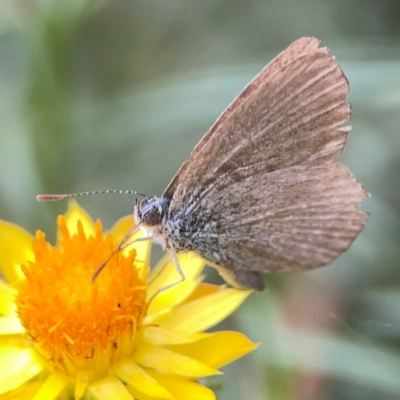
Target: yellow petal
(138, 395)
(204, 289)
(183, 389)
(74, 214)
(11, 342)
(15, 249)
(201, 314)
(24, 392)
(160, 336)
(10, 326)
(128, 371)
(171, 297)
(165, 274)
(168, 361)
(109, 388)
(122, 227)
(52, 387)
(7, 299)
(17, 367)
(218, 349)
(81, 383)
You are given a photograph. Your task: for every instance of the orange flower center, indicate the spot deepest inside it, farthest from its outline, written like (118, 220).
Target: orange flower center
(77, 324)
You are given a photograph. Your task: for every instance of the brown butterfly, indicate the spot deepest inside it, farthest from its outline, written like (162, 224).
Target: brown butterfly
(261, 192)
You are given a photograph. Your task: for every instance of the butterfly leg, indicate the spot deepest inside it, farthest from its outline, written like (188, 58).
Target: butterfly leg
(180, 272)
(178, 269)
(156, 271)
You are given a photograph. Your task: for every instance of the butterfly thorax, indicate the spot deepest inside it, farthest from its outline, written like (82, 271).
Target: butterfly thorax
(183, 230)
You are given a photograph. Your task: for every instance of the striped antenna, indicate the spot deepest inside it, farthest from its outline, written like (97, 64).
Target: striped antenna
(57, 197)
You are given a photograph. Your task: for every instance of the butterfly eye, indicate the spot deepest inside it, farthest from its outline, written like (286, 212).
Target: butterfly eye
(149, 212)
(152, 218)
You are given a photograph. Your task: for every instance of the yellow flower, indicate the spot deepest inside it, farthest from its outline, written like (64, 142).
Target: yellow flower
(64, 337)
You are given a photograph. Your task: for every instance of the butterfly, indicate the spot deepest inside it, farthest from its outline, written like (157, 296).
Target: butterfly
(261, 191)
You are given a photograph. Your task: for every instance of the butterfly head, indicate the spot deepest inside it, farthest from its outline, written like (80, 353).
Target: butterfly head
(150, 211)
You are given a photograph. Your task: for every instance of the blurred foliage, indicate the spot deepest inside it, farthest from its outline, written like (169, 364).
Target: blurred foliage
(115, 94)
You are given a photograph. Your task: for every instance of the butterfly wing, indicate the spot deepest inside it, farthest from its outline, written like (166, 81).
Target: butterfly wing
(289, 118)
(297, 49)
(264, 171)
(288, 220)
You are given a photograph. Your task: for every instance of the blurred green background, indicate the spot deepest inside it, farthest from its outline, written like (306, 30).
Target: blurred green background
(115, 94)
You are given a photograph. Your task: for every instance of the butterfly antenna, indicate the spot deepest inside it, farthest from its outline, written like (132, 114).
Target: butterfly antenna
(57, 197)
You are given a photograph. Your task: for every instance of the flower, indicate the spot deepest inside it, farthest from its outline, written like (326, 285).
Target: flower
(120, 337)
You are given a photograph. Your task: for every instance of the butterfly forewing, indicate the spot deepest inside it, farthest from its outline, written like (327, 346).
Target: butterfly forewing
(297, 49)
(291, 119)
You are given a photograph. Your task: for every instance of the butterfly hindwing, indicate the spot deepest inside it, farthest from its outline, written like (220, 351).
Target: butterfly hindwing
(291, 220)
